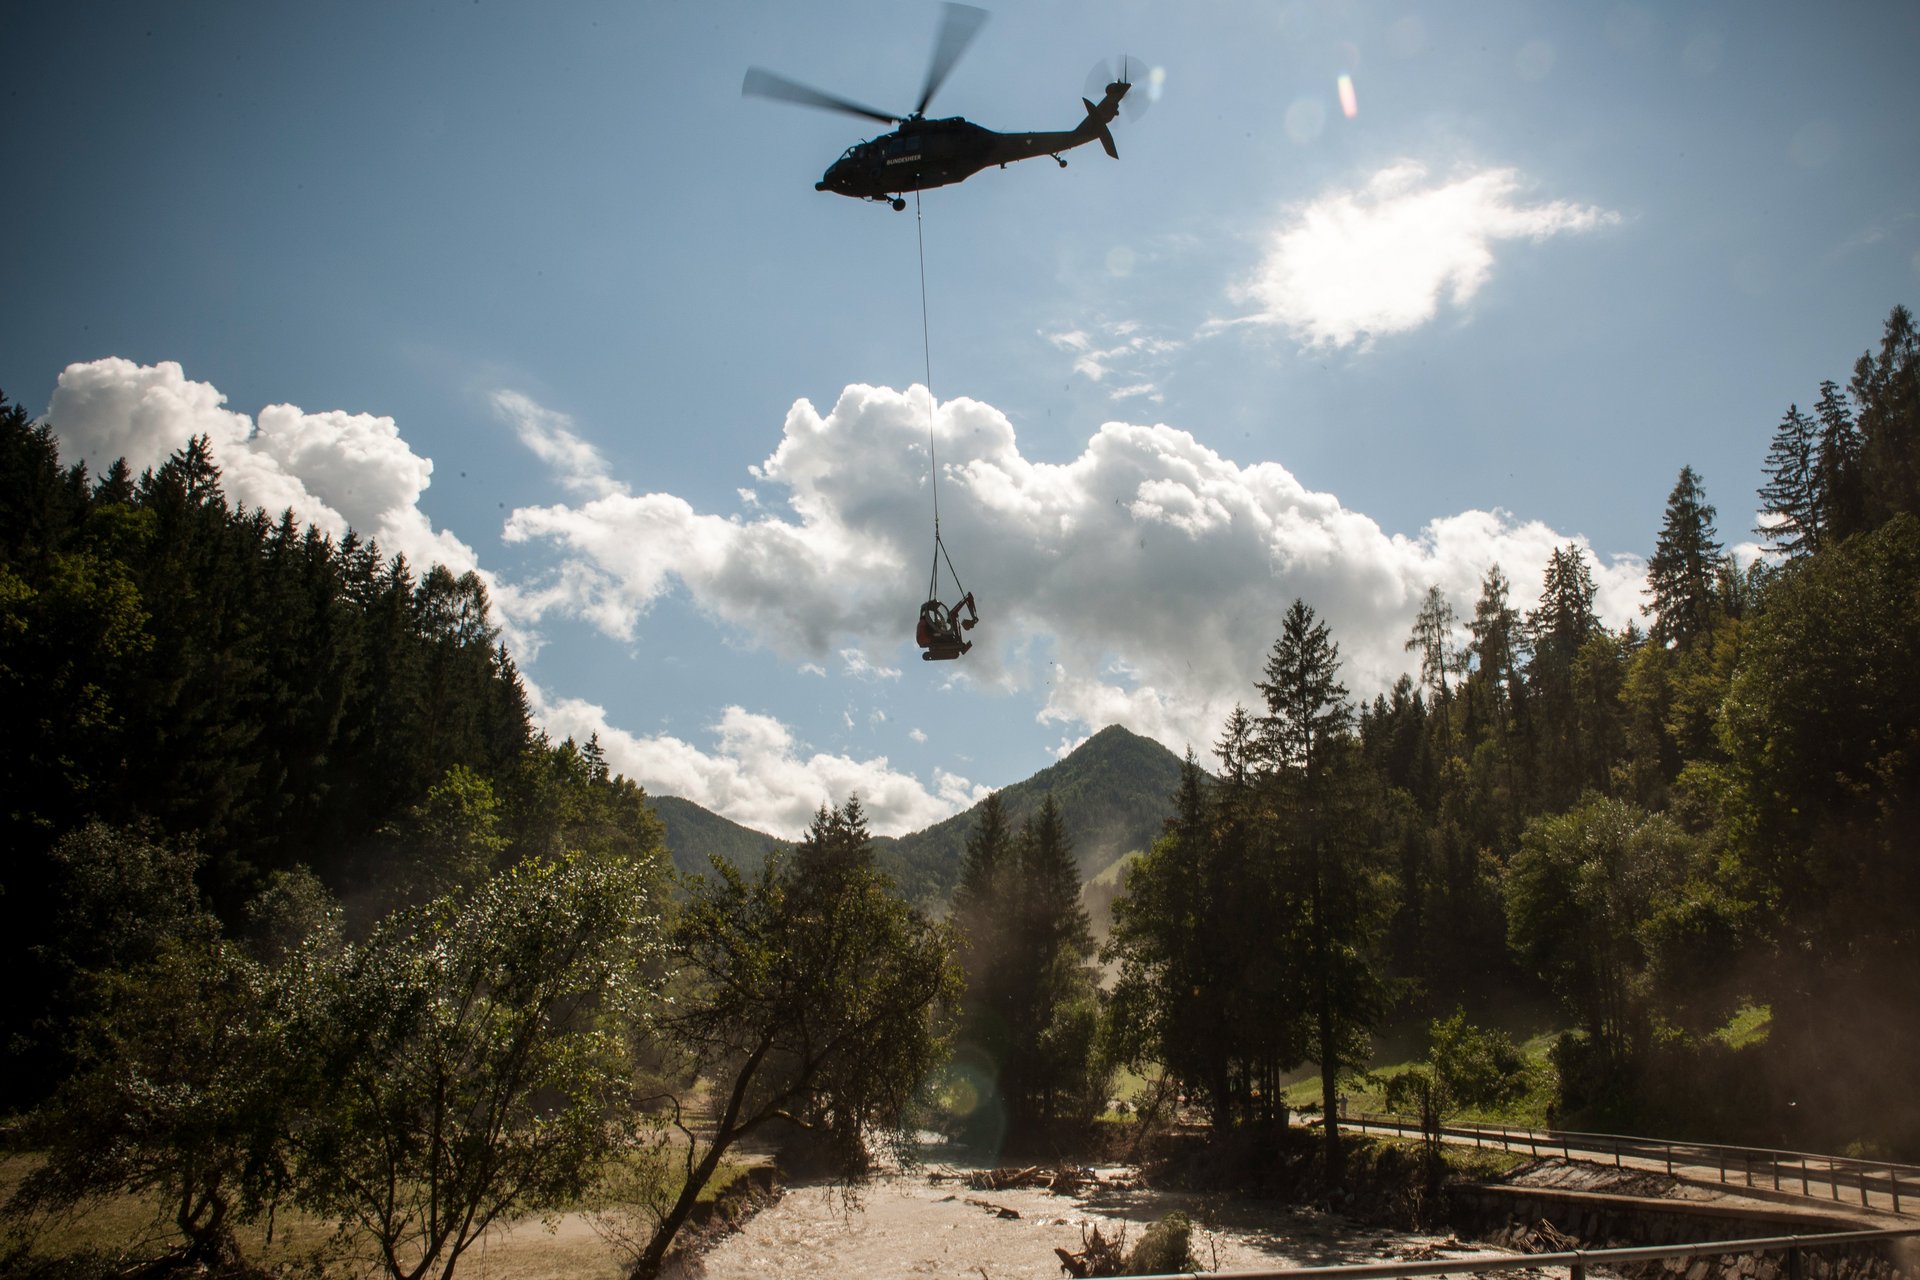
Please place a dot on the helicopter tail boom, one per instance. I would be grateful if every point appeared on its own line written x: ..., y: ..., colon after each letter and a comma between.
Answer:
x: 1098, y: 128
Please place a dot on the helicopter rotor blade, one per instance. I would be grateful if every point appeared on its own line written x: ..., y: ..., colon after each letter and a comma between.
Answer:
x: 761, y: 83
x: 957, y: 30
x: 1146, y: 82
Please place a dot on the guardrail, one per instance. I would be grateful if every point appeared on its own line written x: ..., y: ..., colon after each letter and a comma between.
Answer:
x: 1576, y: 1261
x: 1781, y: 1168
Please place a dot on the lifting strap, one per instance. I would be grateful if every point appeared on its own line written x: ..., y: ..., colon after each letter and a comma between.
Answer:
x: 926, y: 351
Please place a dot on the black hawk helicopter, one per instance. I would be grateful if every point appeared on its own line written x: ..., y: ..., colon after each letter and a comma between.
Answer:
x: 924, y: 153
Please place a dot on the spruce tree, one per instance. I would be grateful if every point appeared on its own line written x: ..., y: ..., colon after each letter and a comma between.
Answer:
x: 982, y: 909
x: 1053, y: 1004
x: 1432, y: 638
x: 1887, y: 389
x: 1791, y: 496
x: 1310, y: 764
x: 1683, y: 575
x: 1839, y: 486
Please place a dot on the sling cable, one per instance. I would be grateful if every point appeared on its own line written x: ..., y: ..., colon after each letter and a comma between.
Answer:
x: 938, y: 633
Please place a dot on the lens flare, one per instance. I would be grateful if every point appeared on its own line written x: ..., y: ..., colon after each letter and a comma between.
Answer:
x: 1349, y: 101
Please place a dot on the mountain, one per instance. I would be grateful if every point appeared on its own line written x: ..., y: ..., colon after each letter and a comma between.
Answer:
x: 693, y: 833
x: 1114, y: 791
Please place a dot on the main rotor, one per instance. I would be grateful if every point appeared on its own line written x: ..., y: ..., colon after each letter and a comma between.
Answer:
x: 959, y: 24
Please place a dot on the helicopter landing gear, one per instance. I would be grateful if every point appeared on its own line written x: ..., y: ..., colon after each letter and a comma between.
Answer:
x: 1059, y: 160
x: 899, y: 205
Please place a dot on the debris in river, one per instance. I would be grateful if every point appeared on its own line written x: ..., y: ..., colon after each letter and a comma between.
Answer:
x: 1098, y: 1255
x: 998, y: 1210
x: 1060, y: 1179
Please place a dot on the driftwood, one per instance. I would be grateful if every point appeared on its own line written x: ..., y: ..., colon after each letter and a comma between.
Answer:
x: 1098, y: 1255
x: 997, y: 1210
x: 1060, y: 1179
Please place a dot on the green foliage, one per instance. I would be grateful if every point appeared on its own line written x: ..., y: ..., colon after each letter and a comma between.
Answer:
x: 1822, y: 730
x: 693, y: 835
x: 1464, y: 1067
x: 474, y: 1063
x: 1683, y: 573
x: 1579, y: 896
x: 1165, y: 1247
x: 179, y: 1091
x: 1247, y: 937
x: 811, y: 996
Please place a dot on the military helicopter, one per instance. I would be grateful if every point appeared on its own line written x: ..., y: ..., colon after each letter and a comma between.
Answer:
x: 922, y: 153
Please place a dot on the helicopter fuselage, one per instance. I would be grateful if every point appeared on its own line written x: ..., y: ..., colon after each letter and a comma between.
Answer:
x: 922, y: 154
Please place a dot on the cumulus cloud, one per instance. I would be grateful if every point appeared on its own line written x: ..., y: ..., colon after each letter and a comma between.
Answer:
x: 757, y: 772
x: 335, y: 469
x: 1140, y: 583
x: 1350, y: 265
x: 338, y: 470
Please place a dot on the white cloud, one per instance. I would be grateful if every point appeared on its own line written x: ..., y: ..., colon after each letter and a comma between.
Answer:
x: 335, y: 469
x: 854, y: 663
x: 1150, y: 570
x: 1122, y: 348
x: 1140, y: 582
x: 1352, y: 264
x: 579, y: 466
x: 757, y: 772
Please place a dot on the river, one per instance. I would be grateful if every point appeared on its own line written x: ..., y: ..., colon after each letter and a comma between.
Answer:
x: 929, y: 1223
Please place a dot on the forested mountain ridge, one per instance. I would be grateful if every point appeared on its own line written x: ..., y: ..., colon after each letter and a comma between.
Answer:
x: 1114, y: 792
x: 694, y: 834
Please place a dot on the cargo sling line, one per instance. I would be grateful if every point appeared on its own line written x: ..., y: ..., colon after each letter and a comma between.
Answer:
x: 926, y: 351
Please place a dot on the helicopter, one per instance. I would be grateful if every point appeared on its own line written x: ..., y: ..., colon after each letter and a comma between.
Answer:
x: 922, y: 153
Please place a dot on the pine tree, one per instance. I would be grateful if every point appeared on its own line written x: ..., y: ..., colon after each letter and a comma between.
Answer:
x: 1311, y: 763
x: 1558, y: 631
x: 1791, y: 496
x: 1887, y: 389
x: 1839, y: 485
x: 982, y: 904
x: 1683, y: 575
x: 1432, y: 638
x: 1053, y: 1003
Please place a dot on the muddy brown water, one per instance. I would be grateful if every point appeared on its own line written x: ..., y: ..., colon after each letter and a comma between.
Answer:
x: 929, y: 1223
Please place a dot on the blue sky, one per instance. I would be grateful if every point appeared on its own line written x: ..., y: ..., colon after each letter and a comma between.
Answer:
x: 534, y: 290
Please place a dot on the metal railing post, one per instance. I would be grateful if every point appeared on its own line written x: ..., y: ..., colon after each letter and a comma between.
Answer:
x: 1669, y: 1159
x: 1775, y: 1162
x: 1803, y: 1177
x: 1833, y: 1176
